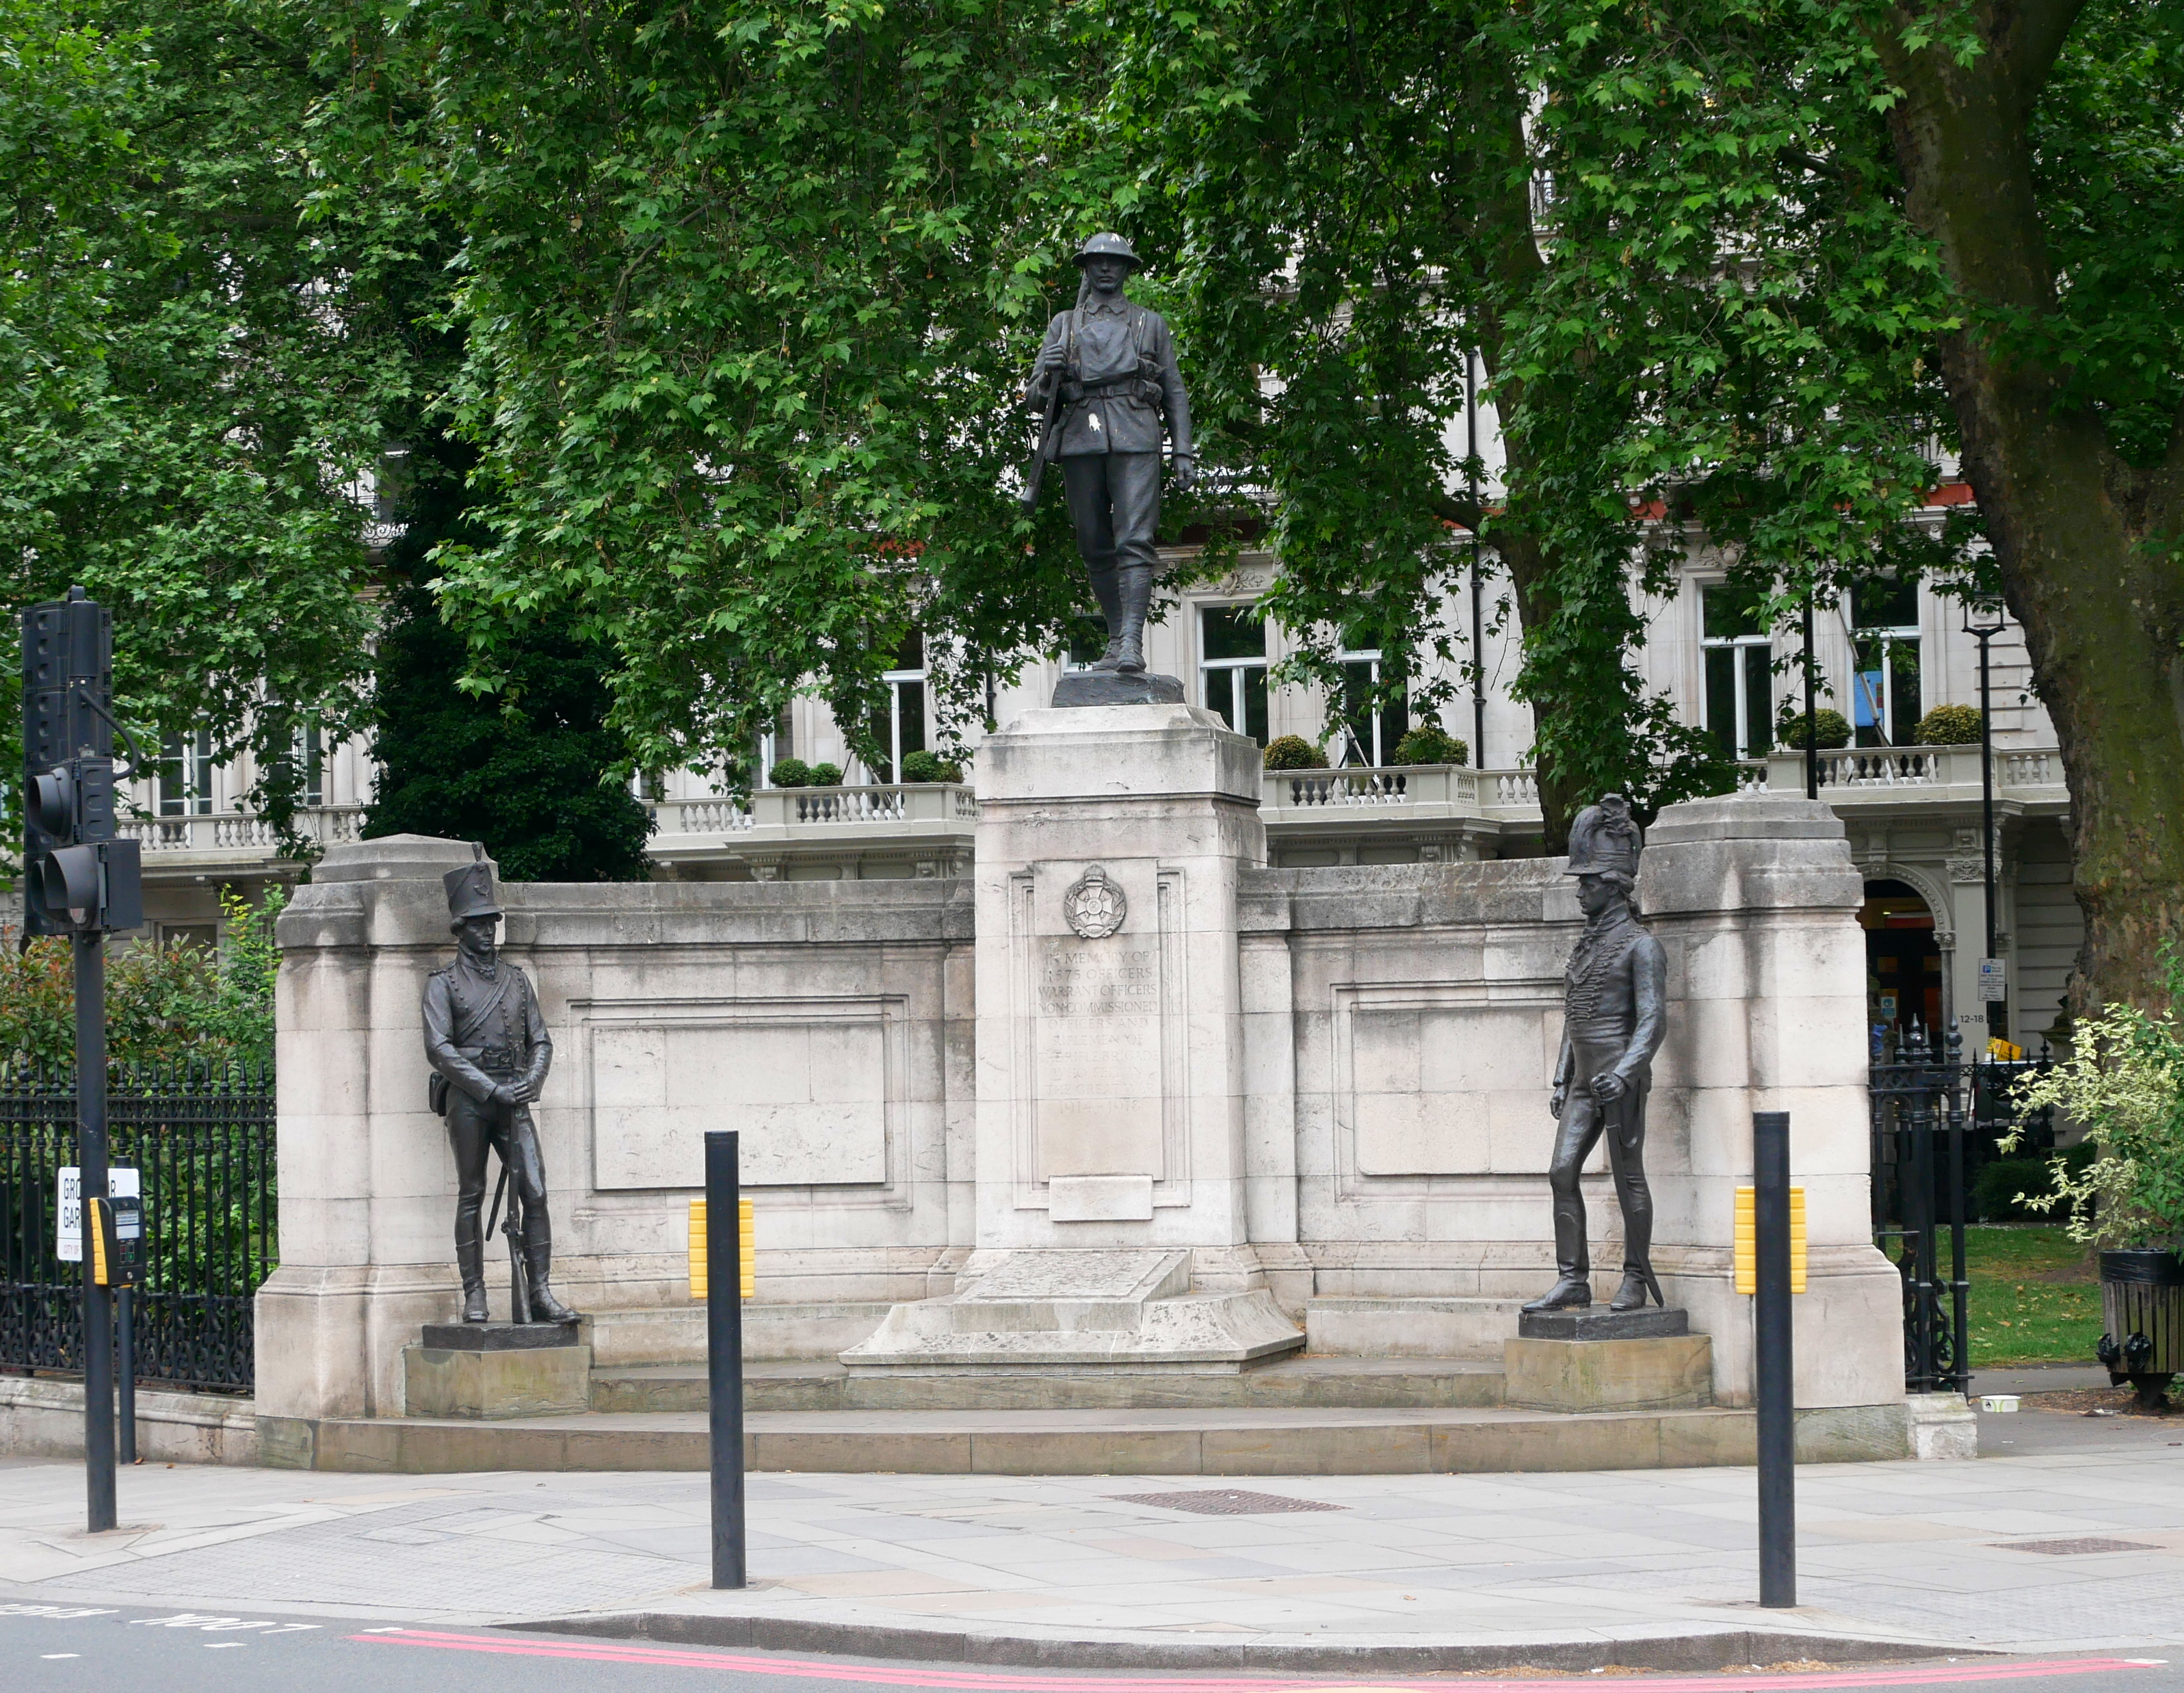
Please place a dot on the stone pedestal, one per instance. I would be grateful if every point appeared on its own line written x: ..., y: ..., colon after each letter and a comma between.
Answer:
x: 1110, y: 1170
x: 1597, y: 1360
x: 498, y: 1369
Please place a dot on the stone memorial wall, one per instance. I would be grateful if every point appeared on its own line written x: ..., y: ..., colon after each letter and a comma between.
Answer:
x: 1124, y: 1062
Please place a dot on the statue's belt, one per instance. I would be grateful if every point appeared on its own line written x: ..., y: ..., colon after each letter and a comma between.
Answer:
x: 1130, y: 387
x: 501, y: 1058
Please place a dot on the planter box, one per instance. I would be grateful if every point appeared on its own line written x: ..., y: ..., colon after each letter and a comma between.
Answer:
x: 2143, y: 1308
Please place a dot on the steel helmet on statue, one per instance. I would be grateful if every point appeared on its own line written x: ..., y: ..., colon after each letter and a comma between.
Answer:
x: 1109, y: 245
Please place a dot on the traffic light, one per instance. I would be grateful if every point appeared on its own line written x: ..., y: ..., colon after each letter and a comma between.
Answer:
x: 78, y: 876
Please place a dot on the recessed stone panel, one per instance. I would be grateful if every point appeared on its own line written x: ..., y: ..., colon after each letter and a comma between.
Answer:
x: 812, y: 1087
x: 1430, y: 1078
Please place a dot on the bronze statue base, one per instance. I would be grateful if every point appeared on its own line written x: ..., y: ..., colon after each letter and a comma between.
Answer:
x: 1116, y: 688
x: 1596, y: 1323
x: 499, y: 1337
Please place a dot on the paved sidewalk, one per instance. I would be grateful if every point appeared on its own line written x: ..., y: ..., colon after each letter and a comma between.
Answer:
x: 1926, y: 1554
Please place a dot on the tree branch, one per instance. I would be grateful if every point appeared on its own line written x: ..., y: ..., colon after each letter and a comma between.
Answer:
x: 2034, y: 34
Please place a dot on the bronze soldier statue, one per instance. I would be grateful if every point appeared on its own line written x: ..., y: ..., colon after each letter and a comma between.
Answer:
x: 489, y: 1052
x: 1614, y: 992
x: 1102, y: 382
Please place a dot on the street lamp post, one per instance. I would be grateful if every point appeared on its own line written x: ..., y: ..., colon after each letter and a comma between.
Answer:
x: 1983, y: 621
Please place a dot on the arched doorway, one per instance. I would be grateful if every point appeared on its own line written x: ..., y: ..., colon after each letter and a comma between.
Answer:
x: 1902, y: 963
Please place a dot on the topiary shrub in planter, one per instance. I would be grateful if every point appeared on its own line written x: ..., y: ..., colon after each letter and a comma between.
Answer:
x: 825, y: 776
x: 924, y: 766
x: 1294, y: 751
x: 790, y: 772
x: 2123, y: 1082
x: 1429, y: 743
x: 1834, y: 731
x: 1949, y: 726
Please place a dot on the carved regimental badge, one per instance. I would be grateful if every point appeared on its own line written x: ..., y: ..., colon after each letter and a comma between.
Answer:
x: 1094, y: 906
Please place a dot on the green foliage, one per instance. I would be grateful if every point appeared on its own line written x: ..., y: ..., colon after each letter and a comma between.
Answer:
x: 1834, y: 730
x: 530, y: 773
x: 825, y: 774
x: 749, y: 293
x: 184, y: 403
x: 927, y: 766
x: 2124, y: 1083
x: 790, y: 772
x: 2009, y: 1189
x: 164, y: 1004
x: 1294, y: 751
x: 1949, y: 726
x: 1429, y: 743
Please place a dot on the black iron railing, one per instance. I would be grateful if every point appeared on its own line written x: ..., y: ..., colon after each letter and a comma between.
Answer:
x: 201, y: 1138
x: 1937, y: 1121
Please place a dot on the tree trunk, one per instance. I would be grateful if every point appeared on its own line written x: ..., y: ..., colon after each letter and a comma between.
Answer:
x: 2068, y: 520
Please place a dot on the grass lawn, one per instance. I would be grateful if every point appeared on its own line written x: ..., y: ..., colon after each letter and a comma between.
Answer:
x: 2035, y: 1297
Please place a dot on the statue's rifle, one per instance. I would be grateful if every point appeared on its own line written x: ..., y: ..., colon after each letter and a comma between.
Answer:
x: 519, y: 1279
x: 1050, y: 427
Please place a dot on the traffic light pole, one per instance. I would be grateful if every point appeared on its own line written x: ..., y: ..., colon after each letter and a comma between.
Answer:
x: 90, y: 1156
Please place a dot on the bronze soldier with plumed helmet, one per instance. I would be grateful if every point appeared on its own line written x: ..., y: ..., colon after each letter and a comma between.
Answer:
x: 1614, y: 995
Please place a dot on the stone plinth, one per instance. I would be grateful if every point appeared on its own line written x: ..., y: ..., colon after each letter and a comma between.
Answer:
x: 1044, y: 1310
x: 499, y: 1337
x: 1663, y: 1372
x: 1596, y: 1323
x: 1116, y: 687
x: 498, y: 1376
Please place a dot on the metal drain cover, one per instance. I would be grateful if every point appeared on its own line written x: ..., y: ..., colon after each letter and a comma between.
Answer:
x: 2064, y: 1549
x: 1224, y: 1502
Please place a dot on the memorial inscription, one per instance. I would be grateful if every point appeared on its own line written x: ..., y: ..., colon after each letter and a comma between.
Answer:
x: 1097, y: 1053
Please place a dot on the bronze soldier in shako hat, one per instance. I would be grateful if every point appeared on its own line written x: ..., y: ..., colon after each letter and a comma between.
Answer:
x: 489, y: 1052
x: 1614, y: 992
x: 1103, y: 381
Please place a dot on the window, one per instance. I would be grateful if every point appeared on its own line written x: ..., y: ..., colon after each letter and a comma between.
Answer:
x: 899, y: 726
x: 1739, y: 669
x: 776, y: 744
x: 1369, y: 736
x: 310, y: 754
x: 1232, y: 667
x: 1884, y: 692
x: 186, y: 775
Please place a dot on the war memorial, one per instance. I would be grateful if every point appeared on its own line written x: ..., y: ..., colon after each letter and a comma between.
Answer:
x: 1132, y: 1122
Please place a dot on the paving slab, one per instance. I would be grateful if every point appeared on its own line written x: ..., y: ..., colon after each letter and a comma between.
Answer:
x: 1411, y: 1572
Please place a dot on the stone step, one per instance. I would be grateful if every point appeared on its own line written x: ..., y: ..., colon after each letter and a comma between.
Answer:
x: 676, y: 1334
x: 1357, y: 1384
x: 1366, y: 1326
x: 1177, y: 1442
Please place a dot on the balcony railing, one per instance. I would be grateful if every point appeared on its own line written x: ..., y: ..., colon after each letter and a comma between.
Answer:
x: 231, y: 831
x: 915, y: 804
x: 1850, y: 773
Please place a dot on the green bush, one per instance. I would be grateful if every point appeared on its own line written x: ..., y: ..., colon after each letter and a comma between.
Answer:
x: 2015, y: 1189
x: 1834, y: 730
x: 790, y: 772
x: 924, y: 766
x: 825, y: 776
x: 1949, y: 726
x: 1429, y: 743
x: 164, y: 1004
x: 1294, y: 751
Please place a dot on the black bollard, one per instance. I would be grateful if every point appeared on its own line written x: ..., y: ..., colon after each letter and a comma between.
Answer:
x: 1771, y: 1340
x: 724, y: 1352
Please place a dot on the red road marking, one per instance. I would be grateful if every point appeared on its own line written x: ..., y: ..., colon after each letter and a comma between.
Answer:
x: 687, y: 1657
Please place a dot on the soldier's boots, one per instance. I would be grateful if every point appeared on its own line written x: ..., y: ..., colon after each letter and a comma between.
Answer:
x: 1136, y: 594
x: 1571, y: 1293
x: 1631, y: 1295
x: 1130, y: 655
x: 546, y: 1305
x: 1112, y: 657
x: 470, y: 1260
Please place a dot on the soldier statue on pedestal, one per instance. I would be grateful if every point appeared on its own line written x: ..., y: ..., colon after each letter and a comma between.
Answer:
x: 489, y: 1052
x: 1102, y: 384
x: 1614, y: 992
